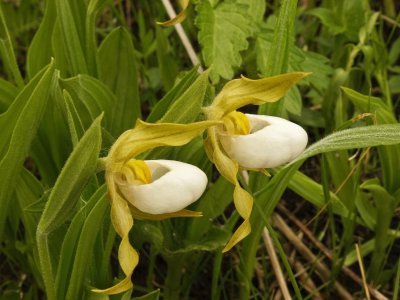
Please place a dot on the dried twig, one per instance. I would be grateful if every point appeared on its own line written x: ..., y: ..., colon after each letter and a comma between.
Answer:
x: 322, y: 270
x: 182, y: 35
x: 275, y: 264
x: 364, y: 279
x: 347, y: 271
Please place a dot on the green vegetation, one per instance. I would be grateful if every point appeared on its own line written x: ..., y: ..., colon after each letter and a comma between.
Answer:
x: 75, y: 75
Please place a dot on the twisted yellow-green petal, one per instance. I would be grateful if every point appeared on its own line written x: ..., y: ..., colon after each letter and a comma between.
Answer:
x: 122, y: 221
x: 179, y: 17
x: 122, y: 167
x: 145, y: 136
x: 242, y: 199
x: 234, y: 95
x: 241, y: 92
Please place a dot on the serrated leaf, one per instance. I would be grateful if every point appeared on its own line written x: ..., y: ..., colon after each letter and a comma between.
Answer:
x: 223, y: 33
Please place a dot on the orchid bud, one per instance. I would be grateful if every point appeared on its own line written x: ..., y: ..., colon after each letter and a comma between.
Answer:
x: 272, y: 142
x: 172, y: 186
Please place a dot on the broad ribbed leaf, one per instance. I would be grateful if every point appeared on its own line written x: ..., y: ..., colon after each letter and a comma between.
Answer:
x: 70, y: 28
x: 188, y: 106
x: 360, y: 137
x: 40, y: 50
x: 27, y: 111
x: 118, y: 70
x: 8, y: 92
x: 223, y: 34
x: 162, y: 106
x: 90, y: 97
x: 85, y: 248
x: 78, y: 169
x: 9, y: 60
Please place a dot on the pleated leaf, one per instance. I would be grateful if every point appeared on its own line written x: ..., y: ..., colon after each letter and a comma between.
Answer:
x: 359, y: 137
x: 118, y: 70
x: 21, y: 123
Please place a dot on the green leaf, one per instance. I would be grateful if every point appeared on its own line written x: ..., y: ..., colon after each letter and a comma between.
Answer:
x: 7, y: 53
x: 40, y: 49
x: 360, y: 137
x: 389, y: 155
x: 293, y: 103
x: 90, y: 49
x: 79, y: 167
x: 215, y: 238
x: 154, y: 295
x: 212, y: 204
x: 256, y: 9
x: 328, y: 19
x: 77, y: 171
x: 118, y: 70
x: 370, y: 104
x: 69, y: 37
x: 28, y: 193
x: 188, y: 106
x: 75, y: 124
x: 166, y: 61
x: 91, y: 97
x: 27, y: 111
x: 8, y: 92
x: 385, y: 208
x: 85, y: 244
x: 162, y: 106
x: 146, y: 231
x: 278, y: 54
x: 223, y: 33
x: 313, y: 192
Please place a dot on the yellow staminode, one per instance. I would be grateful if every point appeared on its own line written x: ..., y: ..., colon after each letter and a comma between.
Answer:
x: 137, y: 170
x: 236, y: 123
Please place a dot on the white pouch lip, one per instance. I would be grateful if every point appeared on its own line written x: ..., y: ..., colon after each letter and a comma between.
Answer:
x: 174, y: 186
x: 272, y: 142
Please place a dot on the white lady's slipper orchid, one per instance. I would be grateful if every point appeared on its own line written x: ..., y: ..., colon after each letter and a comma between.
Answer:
x: 173, y: 186
x: 252, y: 142
x: 153, y: 189
x: 272, y: 142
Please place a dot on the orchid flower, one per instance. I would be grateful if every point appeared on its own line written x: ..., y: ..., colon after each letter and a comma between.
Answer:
x: 250, y: 141
x: 149, y: 189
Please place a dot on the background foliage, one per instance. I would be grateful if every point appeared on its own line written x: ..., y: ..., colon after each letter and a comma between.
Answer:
x: 76, y: 74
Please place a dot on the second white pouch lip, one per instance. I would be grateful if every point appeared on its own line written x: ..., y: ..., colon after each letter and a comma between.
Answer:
x: 272, y: 142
